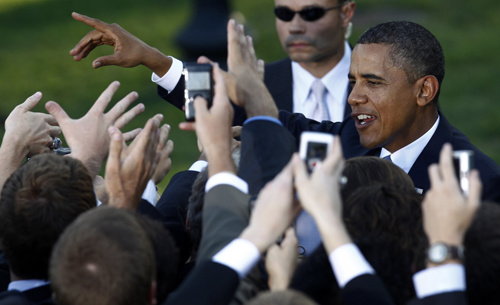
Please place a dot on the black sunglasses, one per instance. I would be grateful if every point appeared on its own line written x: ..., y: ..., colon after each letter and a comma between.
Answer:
x: 312, y: 13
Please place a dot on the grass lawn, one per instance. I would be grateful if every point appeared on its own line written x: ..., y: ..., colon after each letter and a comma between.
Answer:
x: 38, y: 34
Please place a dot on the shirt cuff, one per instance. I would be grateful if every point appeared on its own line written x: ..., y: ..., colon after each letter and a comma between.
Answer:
x: 171, y: 78
x: 348, y: 263
x: 198, y: 166
x: 150, y: 194
x: 239, y: 255
x: 441, y: 279
x: 226, y: 178
x: 264, y: 118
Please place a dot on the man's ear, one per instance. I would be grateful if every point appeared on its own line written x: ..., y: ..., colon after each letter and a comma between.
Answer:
x: 428, y: 87
x: 347, y: 12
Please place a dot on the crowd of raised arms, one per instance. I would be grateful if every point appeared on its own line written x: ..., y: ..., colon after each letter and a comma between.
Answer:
x: 382, y: 219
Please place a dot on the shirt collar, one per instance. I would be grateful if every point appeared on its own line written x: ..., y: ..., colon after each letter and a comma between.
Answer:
x: 23, y: 285
x: 406, y: 156
x: 335, y: 80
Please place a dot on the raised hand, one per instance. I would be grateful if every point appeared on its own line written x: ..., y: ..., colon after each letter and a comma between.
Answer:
x: 447, y: 213
x: 213, y: 127
x: 129, y: 169
x: 129, y: 51
x: 245, y: 85
x: 88, y: 136
x: 26, y: 134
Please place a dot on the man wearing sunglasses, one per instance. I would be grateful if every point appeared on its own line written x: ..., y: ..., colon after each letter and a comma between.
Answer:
x: 313, y: 79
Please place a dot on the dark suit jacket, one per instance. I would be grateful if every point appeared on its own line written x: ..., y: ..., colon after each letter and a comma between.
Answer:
x: 266, y: 147
x: 445, y: 133
x: 208, y: 283
x: 278, y: 79
x: 39, y: 295
x: 173, y: 204
x: 226, y: 212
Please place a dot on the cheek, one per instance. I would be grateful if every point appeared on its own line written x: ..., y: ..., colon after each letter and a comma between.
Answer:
x: 281, y: 31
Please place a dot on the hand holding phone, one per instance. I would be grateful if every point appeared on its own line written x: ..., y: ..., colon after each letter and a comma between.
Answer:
x: 314, y: 148
x: 198, y: 82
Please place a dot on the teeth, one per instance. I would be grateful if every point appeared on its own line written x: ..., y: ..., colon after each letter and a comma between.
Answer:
x: 363, y: 123
x: 364, y: 116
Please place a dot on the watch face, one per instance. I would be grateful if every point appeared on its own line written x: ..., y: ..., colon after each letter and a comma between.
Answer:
x: 438, y: 252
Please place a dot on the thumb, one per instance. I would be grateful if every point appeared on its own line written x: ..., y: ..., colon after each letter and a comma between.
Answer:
x: 56, y: 111
x: 32, y: 101
x: 105, y: 61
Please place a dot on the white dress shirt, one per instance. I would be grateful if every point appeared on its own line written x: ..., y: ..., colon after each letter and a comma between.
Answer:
x: 406, y: 156
x: 335, y: 81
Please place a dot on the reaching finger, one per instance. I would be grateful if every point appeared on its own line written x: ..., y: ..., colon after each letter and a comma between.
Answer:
x: 31, y: 101
x: 108, y: 60
x: 83, y: 48
x: 234, y: 47
x: 299, y: 171
x: 261, y: 68
x: 130, y: 135
x: 251, y: 50
x: 54, y: 131
x: 187, y: 126
x: 204, y: 60
x: 115, y: 150
x: 128, y: 116
x: 334, y: 163
x: 95, y: 23
x: 121, y: 106
x: 164, y: 131
x: 446, y: 163
x: 434, y: 176
x: 57, y: 112
x: 105, y: 97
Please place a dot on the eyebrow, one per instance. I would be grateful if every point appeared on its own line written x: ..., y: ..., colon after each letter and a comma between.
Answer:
x: 368, y: 75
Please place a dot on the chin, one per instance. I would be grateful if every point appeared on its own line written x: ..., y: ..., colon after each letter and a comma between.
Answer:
x: 369, y: 144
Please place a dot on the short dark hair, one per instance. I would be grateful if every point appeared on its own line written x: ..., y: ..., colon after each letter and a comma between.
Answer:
x: 383, y: 216
x: 368, y: 170
x: 166, y: 256
x: 413, y: 48
x: 38, y: 202
x: 482, y: 261
x: 103, y: 257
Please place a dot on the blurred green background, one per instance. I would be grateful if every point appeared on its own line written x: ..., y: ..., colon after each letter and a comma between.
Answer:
x: 36, y: 36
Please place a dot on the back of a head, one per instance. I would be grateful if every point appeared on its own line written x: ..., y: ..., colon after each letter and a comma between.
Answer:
x: 386, y: 224
x: 104, y: 257
x: 282, y: 297
x: 37, y: 203
x: 414, y: 48
x: 482, y: 258
x: 166, y: 254
x: 365, y: 171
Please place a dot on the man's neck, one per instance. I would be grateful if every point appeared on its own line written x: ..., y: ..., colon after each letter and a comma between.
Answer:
x: 320, y: 68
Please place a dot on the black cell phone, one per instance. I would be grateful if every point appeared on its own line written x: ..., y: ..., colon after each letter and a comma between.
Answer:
x: 314, y: 148
x: 463, y: 161
x: 198, y: 82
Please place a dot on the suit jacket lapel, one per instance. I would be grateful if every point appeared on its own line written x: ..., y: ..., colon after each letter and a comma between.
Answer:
x: 430, y: 154
x: 279, y: 82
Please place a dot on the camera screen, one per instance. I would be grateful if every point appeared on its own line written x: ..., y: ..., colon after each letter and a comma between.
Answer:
x: 316, y: 152
x: 198, y: 81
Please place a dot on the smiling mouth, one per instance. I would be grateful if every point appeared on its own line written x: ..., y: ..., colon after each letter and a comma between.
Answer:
x: 365, y: 118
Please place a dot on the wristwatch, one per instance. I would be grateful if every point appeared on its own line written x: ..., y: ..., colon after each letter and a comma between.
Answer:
x: 440, y: 252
